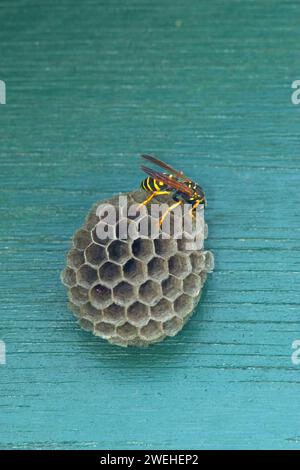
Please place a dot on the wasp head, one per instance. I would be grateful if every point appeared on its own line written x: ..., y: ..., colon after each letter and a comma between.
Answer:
x: 199, y: 194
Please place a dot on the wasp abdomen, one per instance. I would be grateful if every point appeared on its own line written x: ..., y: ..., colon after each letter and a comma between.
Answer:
x: 151, y: 185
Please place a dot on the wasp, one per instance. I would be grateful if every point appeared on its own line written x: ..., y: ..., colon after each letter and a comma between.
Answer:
x: 171, y: 182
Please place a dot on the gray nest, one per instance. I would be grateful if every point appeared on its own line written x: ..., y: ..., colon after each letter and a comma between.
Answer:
x: 137, y: 291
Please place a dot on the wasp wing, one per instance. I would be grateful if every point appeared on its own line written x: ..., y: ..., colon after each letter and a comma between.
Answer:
x: 164, y: 165
x: 171, y: 183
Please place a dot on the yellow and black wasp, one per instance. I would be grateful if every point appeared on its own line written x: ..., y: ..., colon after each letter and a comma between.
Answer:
x: 182, y: 188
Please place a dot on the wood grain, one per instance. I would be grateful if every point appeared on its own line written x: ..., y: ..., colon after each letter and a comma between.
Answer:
x: 205, y: 85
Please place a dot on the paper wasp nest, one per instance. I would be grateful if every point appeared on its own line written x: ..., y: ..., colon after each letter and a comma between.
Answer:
x: 136, y: 291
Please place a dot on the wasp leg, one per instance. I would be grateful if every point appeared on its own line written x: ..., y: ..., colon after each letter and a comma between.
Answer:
x: 152, y: 195
x: 192, y: 213
x: 169, y: 210
x: 192, y: 210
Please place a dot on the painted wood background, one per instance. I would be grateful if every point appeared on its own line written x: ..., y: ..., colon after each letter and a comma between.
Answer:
x: 207, y: 86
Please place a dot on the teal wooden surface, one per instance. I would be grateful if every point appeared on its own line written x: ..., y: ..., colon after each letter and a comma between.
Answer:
x: 205, y: 85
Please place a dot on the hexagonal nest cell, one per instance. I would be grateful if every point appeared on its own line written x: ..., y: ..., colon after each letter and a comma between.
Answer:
x: 135, y: 291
